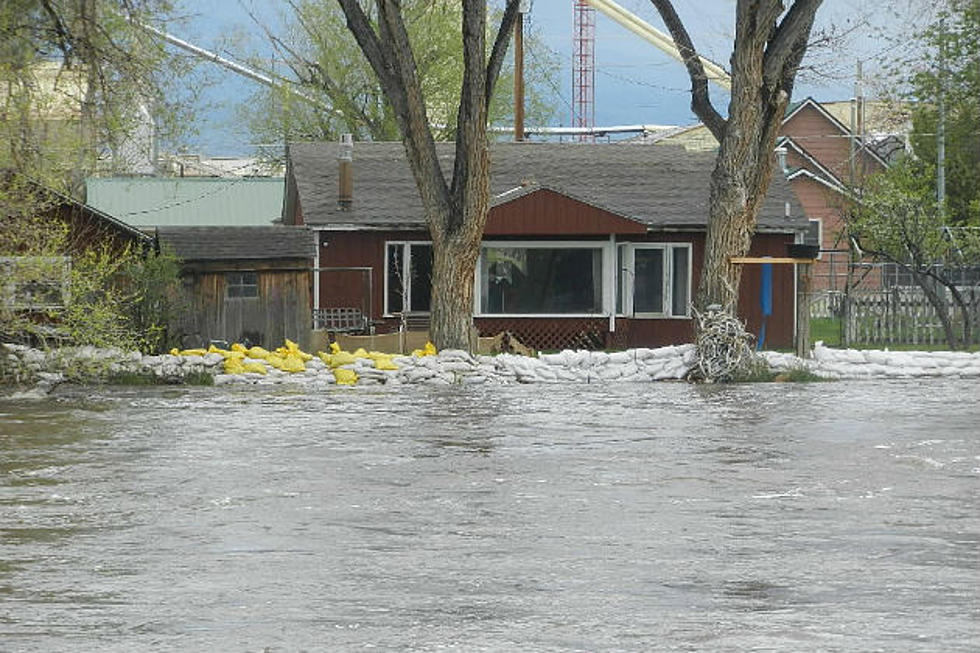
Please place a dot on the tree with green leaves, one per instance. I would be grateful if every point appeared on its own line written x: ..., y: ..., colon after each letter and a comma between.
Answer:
x: 944, y: 87
x: 898, y: 220
x: 79, y: 82
x: 456, y: 208
x: 326, y: 64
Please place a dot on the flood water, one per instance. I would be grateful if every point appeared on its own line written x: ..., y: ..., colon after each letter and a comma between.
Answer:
x: 665, y: 517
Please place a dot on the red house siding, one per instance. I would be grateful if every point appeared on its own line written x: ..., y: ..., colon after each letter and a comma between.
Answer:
x: 547, y: 213
x: 823, y: 139
x: 366, y: 249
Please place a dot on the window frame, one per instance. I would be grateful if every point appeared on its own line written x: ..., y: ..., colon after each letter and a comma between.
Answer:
x: 626, y: 280
x: 229, y: 284
x: 604, y: 252
x: 819, y: 242
x: 406, y: 262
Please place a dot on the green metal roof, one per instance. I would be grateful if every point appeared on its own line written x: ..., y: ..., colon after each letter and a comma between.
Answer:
x: 188, y: 201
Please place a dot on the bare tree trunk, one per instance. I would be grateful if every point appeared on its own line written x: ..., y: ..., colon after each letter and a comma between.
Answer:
x: 769, y: 45
x: 456, y: 212
x: 938, y: 302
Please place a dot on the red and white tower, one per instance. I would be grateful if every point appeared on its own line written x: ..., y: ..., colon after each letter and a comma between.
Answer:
x: 583, y: 68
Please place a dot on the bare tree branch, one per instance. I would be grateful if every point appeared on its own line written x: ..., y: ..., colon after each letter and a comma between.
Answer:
x: 788, y: 45
x: 500, y: 45
x: 700, y: 99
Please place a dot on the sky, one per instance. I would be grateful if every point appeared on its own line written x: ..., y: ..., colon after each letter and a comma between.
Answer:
x: 634, y: 82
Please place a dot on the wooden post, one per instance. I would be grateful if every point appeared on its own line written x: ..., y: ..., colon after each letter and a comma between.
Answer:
x: 519, y: 77
x: 803, y: 310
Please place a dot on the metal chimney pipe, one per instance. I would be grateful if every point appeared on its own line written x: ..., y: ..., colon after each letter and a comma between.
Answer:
x: 345, y: 158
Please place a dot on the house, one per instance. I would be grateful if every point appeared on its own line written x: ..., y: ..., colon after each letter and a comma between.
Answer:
x: 824, y: 159
x: 244, y: 284
x: 585, y: 245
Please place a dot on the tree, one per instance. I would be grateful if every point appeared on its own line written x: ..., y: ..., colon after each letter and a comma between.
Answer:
x: 898, y: 219
x: 77, y: 79
x: 455, y: 209
x: 946, y: 75
x: 326, y: 63
x: 75, y: 284
x: 770, y: 42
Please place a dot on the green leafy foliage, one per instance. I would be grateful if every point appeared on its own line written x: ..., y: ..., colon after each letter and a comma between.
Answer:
x: 944, y: 76
x: 328, y: 65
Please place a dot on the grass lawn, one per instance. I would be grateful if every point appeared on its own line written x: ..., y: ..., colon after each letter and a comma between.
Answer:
x: 828, y: 329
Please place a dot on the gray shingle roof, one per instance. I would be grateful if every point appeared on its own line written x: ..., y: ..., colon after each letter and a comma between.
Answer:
x: 662, y: 187
x: 238, y: 243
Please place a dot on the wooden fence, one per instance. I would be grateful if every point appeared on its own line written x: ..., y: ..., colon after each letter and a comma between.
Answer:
x: 900, y: 315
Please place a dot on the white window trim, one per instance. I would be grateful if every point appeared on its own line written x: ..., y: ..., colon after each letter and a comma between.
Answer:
x: 629, y: 277
x: 406, y: 262
x: 819, y: 222
x: 607, y: 247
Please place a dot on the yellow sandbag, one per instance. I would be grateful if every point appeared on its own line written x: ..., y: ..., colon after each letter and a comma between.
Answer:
x: 342, y: 358
x: 258, y: 352
x: 334, y: 348
x: 360, y: 353
x: 292, y: 348
x: 326, y: 358
x: 188, y: 352
x: 428, y: 350
x: 384, y: 363
x: 239, y: 347
x: 345, y: 377
x: 293, y: 363
x: 234, y: 366
x: 226, y: 353
x: 275, y: 360
x: 255, y: 367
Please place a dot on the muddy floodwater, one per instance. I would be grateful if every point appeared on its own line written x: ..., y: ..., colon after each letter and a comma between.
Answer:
x: 659, y: 517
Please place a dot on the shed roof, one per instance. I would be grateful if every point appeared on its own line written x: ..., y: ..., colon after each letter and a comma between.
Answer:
x: 185, y: 201
x: 661, y: 187
x: 238, y: 243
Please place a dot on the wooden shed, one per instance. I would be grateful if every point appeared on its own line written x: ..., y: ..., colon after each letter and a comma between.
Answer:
x: 244, y: 284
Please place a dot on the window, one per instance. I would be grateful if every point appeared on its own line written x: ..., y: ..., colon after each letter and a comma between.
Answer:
x: 814, y: 233
x: 540, y: 279
x: 34, y: 283
x: 655, y: 280
x: 242, y: 284
x: 409, y: 292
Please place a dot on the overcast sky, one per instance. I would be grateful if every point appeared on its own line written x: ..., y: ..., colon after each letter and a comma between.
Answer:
x: 635, y: 83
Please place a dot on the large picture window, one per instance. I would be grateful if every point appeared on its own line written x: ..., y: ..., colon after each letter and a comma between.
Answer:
x: 540, y: 279
x: 654, y: 280
x: 408, y: 277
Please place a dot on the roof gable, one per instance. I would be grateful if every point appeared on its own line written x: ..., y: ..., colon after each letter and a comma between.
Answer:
x: 548, y: 212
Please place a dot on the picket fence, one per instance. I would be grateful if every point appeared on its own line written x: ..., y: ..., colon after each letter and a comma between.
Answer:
x: 900, y: 315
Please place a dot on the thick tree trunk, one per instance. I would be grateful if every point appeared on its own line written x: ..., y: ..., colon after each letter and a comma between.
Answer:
x: 769, y: 45
x: 456, y: 212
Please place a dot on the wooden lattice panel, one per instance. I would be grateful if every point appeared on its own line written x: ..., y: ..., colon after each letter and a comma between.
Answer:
x: 550, y: 334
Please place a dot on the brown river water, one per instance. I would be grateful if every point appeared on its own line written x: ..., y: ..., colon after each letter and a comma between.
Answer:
x: 661, y: 517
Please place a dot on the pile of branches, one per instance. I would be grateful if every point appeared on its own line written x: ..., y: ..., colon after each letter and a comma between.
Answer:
x: 724, y: 347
